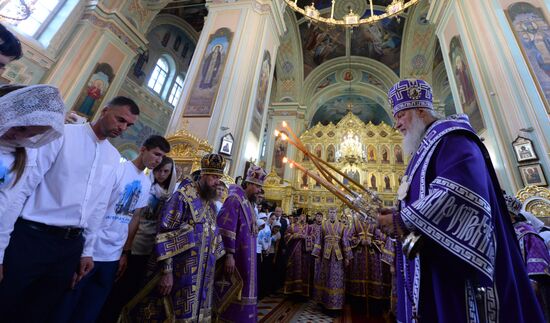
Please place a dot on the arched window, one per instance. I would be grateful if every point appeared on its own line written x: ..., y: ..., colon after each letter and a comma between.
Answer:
x: 175, y: 94
x: 159, y: 75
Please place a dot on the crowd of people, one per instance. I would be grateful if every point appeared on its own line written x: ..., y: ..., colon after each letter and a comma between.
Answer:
x: 85, y: 237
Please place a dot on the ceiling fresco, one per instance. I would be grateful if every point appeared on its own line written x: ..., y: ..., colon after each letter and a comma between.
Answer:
x: 336, y: 108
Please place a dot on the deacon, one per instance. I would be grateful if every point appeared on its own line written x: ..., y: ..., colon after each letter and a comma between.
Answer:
x: 297, y: 268
x: 187, y: 247
x: 457, y: 258
x: 333, y: 249
x: 237, y: 223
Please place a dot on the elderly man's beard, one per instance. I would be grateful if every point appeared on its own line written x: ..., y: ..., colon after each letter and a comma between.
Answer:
x: 414, y: 135
x: 206, y: 192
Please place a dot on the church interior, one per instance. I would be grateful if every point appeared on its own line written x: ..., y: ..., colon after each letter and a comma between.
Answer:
x: 241, y: 77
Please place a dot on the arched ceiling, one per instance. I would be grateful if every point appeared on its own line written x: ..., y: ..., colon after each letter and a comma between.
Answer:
x: 363, y: 107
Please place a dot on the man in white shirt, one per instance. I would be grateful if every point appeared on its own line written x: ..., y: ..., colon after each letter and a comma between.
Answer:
x: 84, y: 302
x: 68, y: 192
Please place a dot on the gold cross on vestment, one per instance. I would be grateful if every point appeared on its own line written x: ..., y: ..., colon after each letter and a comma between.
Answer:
x: 226, y: 218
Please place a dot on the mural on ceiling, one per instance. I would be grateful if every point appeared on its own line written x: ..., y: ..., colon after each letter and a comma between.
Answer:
x: 94, y: 91
x: 329, y: 80
x: 261, y: 93
x: 320, y: 44
x: 532, y: 31
x: 364, y: 108
x: 465, y: 84
x: 380, y: 41
x: 205, y: 86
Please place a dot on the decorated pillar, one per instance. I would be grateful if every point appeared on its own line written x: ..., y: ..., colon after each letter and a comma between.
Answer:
x: 498, y: 72
x: 98, y: 55
x: 227, y: 87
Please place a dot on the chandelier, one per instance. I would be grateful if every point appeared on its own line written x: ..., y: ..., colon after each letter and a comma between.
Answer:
x: 351, y: 149
x: 351, y: 19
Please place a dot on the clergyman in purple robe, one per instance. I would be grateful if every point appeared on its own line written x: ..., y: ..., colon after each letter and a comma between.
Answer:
x: 457, y: 258
x: 237, y: 225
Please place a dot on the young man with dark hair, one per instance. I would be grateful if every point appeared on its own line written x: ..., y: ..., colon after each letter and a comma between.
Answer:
x: 67, y: 194
x: 10, y: 48
x: 131, y: 192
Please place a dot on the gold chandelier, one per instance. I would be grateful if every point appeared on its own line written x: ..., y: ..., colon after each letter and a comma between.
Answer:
x: 351, y: 19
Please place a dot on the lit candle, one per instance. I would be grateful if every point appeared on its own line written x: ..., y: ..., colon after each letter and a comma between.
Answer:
x: 371, y: 8
x: 332, y: 10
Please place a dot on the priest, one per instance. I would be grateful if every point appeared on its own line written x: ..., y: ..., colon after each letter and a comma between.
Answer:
x: 238, y: 227
x: 457, y: 258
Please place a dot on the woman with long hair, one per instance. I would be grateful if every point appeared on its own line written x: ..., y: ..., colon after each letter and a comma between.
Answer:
x: 30, y: 116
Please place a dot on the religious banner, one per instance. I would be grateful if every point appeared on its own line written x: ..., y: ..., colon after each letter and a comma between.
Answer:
x: 94, y: 91
x: 205, y: 86
x: 465, y: 84
x: 261, y: 95
x: 532, y: 32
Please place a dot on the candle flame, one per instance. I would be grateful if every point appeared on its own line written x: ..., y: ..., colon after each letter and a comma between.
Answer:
x: 284, y: 136
x: 285, y: 160
x: 276, y: 133
x: 284, y: 124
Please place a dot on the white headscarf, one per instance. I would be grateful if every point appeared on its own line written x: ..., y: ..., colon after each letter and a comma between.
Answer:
x: 35, y: 105
x: 160, y: 192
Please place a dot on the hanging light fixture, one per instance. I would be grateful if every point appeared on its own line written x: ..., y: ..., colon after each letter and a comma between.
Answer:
x: 14, y: 11
x: 351, y: 19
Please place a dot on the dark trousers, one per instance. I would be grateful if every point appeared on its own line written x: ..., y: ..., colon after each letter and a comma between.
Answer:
x: 84, y: 302
x: 38, y: 268
x: 125, y: 288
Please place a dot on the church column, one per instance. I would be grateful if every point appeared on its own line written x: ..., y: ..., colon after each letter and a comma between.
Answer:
x: 229, y: 79
x: 492, y: 78
x: 99, y: 53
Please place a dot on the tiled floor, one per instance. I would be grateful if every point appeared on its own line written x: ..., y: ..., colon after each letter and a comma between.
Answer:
x: 280, y: 309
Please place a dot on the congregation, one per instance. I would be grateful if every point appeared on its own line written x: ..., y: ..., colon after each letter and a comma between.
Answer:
x: 85, y: 237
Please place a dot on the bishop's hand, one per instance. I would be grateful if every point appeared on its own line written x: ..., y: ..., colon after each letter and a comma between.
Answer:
x: 229, y: 263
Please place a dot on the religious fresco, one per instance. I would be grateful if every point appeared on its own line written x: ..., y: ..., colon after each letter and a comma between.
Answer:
x: 205, y: 86
x: 532, y: 31
x: 321, y: 43
x: 368, y: 78
x: 261, y: 94
x: 465, y: 84
x: 380, y: 41
x: 329, y: 80
x: 92, y: 94
x: 336, y: 108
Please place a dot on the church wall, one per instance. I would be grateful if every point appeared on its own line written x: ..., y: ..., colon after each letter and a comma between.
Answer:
x: 496, y: 80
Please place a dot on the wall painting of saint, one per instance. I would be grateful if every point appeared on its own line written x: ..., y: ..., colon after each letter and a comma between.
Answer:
x: 206, y: 83
x: 92, y: 94
x: 465, y: 84
x: 532, y: 32
x: 261, y: 95
x: 279, y: 152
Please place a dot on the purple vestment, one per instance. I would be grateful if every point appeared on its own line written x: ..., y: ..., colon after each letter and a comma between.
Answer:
x: 298, y: 265
x: 331, y: 248
x: 188, y: 239
x: 534, y: 251
x: 469, y: 267
x: 369, y: 276
x: 237, y: 225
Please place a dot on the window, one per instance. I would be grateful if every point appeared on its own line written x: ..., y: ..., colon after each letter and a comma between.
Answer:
x: 158, y: 77
x: 45, y: 19
x: 175, y: 94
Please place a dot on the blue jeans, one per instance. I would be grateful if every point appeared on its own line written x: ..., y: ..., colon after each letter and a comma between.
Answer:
x: 84, y: 302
